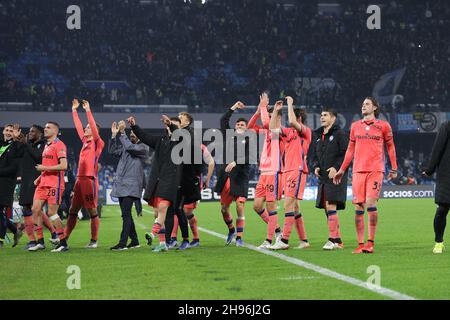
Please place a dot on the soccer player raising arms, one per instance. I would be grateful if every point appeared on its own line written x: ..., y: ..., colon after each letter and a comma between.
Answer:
x: 269, y: 187
x: 85, y: 191
x: 295, y: 140
x: 366, y: 148
x: 232, y: 178
x: 50, y: 186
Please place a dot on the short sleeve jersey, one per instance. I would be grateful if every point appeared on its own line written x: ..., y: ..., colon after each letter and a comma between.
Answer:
x: 370, y: 138
x: 292, y: 159
x: 51, y: 156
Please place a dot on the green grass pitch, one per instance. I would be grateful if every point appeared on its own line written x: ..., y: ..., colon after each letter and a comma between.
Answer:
x: 213, y: 271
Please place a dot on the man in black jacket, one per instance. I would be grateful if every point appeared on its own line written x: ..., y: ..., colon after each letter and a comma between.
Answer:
x: 233, y: 176
x: 163, y: 184
x: 10, y: 154
x: 330, y: 144
x: 178, y: 208
x: 440, y: 163
x: 190, y: 180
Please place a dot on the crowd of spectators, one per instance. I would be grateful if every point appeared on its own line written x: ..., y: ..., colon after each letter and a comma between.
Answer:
x: 209, y: 55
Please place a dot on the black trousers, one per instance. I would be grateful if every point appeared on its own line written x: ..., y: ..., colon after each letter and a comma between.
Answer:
x: 182, y: 222
x: 440, y: 221
x: 5, y: 223
x: 128, y: 227
x: 138, y: 206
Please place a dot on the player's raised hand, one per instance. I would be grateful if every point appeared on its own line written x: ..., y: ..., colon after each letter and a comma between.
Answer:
x: 278, y: 105
x: 392, y: 175
x: 338, y: 177
x: 114, y: 129
x: 289, y: 100
x: 264, y: 99
x: 166, y: 120
x: 75, y: 104
x: 131, y: 121
x: 238, y: 105
x: 122, y: 126
x: 86, y: 105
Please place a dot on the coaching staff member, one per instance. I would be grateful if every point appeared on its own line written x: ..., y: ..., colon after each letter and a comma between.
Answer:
x: 128, y: 182
x: 440, y: 163
x: 330, y: 144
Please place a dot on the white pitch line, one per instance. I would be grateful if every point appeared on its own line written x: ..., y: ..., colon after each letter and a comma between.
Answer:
x: 324, y: 271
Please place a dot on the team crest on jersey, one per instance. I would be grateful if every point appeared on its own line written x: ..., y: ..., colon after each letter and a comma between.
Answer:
x: 367, y: 128
x: 331, y: 138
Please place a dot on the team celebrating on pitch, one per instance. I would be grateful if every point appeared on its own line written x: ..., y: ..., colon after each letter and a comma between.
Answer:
x: 174, y: 190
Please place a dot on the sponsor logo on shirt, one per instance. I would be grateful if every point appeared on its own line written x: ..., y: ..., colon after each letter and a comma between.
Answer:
x: 369, y: 137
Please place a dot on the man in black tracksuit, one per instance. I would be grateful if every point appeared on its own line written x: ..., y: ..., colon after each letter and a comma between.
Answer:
x: 440, y: 163
x: 233, y: 176
x: 329, y: 146
x: 10, y: 154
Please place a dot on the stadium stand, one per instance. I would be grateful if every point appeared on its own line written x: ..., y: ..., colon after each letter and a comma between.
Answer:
x: 175, y: 52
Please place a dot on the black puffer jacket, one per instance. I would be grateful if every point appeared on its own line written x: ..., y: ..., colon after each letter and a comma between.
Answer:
x: 165, y: 177
x: 329, y: 151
